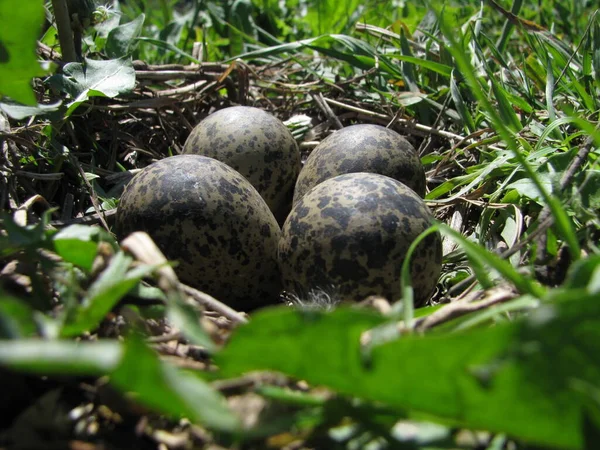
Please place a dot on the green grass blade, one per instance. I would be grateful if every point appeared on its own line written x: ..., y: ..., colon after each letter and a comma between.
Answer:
x: 524, y: 284
x: 461, y: 108
x: 566, y: 232
x: 436, y: 67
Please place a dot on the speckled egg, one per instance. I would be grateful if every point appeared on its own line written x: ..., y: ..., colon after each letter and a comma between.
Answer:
x: 257, y: 145
x: 349, y: 235
x: 209, y: 218
x: 362, y: 148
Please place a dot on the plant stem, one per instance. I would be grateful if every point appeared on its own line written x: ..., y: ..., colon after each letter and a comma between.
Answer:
x: 65, y: 34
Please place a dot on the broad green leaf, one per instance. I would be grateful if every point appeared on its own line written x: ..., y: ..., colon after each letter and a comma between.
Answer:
x: 95, y: 79
x: 589, y: 190
x: 78, y: 244
x: 104, y: 293
x: 61, y: 357
x: 168, y: 390
x: 585, y: 274
x: 527, y: 188
x: 19, y: 237
x: 121, y: 40
x: 19, y: 112
x: 469, y: 378
x: 240, y: 17
x: 21, y: 25
x: 16, y: 318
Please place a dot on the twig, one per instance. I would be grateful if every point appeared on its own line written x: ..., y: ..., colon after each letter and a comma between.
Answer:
x: 462, y: 307
x: 403, y: 122
x: 175, y: 336
x: 214, y: 304
x: 320, y: 101
x: 93, y: 219
x: 165, y: 75
x: 40, y: 176
x: 185, y: 89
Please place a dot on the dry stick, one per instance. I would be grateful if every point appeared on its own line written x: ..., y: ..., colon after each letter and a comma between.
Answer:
x: 214, y: 304
x: 462, y: 307
x: 320, y: 101
x: 40, y: 176
x: 404, y: 122
x: 174, y: 336
x: 197, y: 68
x: 183, y: 90
x: 166, y: 75
x: 92, y: 219
x: 141, y: 245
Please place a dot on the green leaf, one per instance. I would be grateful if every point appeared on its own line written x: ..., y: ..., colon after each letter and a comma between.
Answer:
x: 170, y: 391
x: 442, y: 69
x: 240, y: 16
x: 95, y: 79
x: 61, y: 357
x: 461, y: 108
x: 122, y: 40
x: 505, y: 107
x: 585, y: 273
x: 18, y: 238
x: 185, y: 318
x: 16, y: 318
x: 19, y: 32
x: 469, y: 378
x: 114, y: 282
x: 483, y: 257
x: 77, y: 244
x: 169, y: 46
x: 19, y: 112
x: 331, y: 16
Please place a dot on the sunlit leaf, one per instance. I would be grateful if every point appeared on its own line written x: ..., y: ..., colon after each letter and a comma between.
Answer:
x: 170, y: 391
x: 121, y: 40
x: 18, y: 40
x: 94, y: 78
x: 469, y: 378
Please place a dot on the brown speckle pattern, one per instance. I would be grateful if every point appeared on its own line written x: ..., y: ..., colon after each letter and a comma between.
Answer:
x: 352, y: 232
x: 210, y: 219
x: 362, y: 148
x: 256, y: 144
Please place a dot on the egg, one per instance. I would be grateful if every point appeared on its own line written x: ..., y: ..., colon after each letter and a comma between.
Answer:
x: 349, y: 236
x: 212, y: 221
